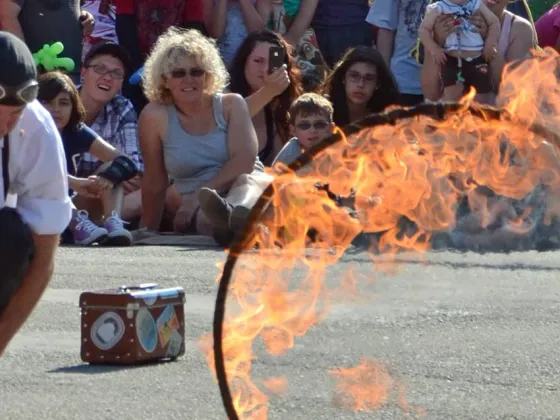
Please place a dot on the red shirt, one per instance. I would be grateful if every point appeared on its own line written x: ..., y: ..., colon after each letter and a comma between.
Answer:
x: 154, y: 17
x: 193, y: 12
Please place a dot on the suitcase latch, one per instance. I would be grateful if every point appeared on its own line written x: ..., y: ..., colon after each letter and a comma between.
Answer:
x: 130, y: 308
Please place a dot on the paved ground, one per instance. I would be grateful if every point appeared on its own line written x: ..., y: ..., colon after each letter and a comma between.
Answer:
x: 471, y: 336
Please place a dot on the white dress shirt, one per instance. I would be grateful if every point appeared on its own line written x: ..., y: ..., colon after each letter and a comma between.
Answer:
x: 38, y: 175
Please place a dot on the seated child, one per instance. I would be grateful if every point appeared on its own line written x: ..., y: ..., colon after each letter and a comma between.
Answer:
x: 311, y: 121
x: 466, y: 55
x: 60, y: 97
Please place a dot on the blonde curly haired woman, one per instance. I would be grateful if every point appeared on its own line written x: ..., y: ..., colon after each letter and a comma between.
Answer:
x: 192, y: 132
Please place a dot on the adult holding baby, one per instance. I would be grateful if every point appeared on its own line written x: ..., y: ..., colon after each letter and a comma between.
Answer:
x: 464, y: 58
x: 517, y: 38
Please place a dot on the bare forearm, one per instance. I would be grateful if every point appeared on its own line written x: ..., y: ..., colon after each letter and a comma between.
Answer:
x: 385, y: 42
x: 32, y: 288
x: 496, y: 68
x: 258, y: 100
x: 216, y: 18
x: 493, y: 33
x: 302, y: 21
x: 153, y: 204
x: 73, y: 182
x: 229, y: 173
x: 253, y: 21
x: 427, y: 39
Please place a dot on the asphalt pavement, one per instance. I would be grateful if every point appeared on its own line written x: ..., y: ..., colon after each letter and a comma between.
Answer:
x: 468, y: 336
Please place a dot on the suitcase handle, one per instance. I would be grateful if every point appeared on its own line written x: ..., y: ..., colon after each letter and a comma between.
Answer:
x: 143, y: 286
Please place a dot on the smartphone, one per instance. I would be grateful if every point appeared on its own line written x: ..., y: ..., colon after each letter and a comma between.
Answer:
x: 275, y: 58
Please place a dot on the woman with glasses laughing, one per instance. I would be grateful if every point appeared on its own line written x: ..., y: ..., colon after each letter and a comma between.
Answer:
x: 192, y: 132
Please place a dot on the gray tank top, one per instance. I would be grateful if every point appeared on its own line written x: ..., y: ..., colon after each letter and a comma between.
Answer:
x: 193, y: 160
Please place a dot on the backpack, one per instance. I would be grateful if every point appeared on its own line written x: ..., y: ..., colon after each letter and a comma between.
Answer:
x: 418, y: 51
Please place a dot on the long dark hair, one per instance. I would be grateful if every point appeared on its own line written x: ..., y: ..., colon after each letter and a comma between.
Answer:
x: 51, y: 84
x: 281, y: 104
x: 386, y: 93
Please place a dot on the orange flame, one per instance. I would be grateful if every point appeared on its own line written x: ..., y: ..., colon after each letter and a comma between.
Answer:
x: 407, y: 180
x: 363, y: 388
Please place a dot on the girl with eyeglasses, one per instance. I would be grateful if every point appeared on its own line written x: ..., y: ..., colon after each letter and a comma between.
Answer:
x: 360, y: 84
x: 60, y: 97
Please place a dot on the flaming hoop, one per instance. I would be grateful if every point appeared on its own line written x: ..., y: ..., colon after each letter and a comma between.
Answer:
x: 429, y: 114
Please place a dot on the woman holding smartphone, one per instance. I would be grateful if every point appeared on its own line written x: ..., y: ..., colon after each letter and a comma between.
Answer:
x: 264, y: 73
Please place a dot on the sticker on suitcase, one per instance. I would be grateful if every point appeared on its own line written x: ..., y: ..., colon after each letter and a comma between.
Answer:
x: 175, y: 345
x: 146, y: 330
x: 167, y: 323
x: 107, y: 331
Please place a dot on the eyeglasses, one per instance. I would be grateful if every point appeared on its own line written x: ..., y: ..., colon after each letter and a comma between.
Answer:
x: 102, y: 70
x: 356, y: 77
x: 317, y: 125
x: 182, y: 73
x: 22, y: 95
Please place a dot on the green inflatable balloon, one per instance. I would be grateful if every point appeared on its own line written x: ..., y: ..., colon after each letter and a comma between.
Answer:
x: 47, y: 57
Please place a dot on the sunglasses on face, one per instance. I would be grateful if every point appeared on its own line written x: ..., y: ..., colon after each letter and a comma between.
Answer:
x: 21, y: 95
x: 182, y: 73
x: 102, y: 70
x: 317, y: 125
x: 356, y: 77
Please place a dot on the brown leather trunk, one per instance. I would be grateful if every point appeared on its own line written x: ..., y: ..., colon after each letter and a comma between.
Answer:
x: 132, y: 324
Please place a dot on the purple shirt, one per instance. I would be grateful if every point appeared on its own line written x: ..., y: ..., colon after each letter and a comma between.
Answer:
x: 548, y: 28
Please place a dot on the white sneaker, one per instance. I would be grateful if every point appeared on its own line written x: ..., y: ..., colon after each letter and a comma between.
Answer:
x: 86, y: 232
x: 117, y: 234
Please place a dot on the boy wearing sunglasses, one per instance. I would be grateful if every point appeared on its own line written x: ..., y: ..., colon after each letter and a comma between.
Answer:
x: 311, y: 121
x: 33, y: 169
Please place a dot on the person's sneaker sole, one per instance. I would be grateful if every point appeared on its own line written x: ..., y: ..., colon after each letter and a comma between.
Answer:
x: 119, y: 239
x: 215, y: 208
x: 96, y: 240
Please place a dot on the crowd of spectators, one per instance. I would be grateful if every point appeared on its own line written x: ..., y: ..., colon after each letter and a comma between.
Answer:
x: 212, y: 108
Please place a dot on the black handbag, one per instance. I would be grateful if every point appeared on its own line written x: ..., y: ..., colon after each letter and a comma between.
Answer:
x: 16, y: 242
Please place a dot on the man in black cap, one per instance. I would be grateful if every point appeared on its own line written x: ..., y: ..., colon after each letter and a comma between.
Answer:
x: 34, y: 203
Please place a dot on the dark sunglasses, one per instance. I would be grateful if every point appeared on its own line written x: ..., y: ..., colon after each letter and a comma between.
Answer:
x: 182, y: 73
x: 102, y: 70
x: 317, y: 125
x: 21, y: 95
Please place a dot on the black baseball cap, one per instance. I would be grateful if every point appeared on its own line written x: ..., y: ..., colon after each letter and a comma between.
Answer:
x: 112, y: 49
x: 17, y: 71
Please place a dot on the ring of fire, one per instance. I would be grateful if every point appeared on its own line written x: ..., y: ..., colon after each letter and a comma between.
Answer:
x: 440, y: 115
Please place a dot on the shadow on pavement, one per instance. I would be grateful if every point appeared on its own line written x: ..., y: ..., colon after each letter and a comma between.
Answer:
x: 95, y: 369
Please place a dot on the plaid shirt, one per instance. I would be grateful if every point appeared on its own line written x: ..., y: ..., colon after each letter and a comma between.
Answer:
x: 117, y: 124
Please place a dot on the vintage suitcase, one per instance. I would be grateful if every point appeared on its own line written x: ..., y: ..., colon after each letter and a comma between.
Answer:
x: 132, y: 324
